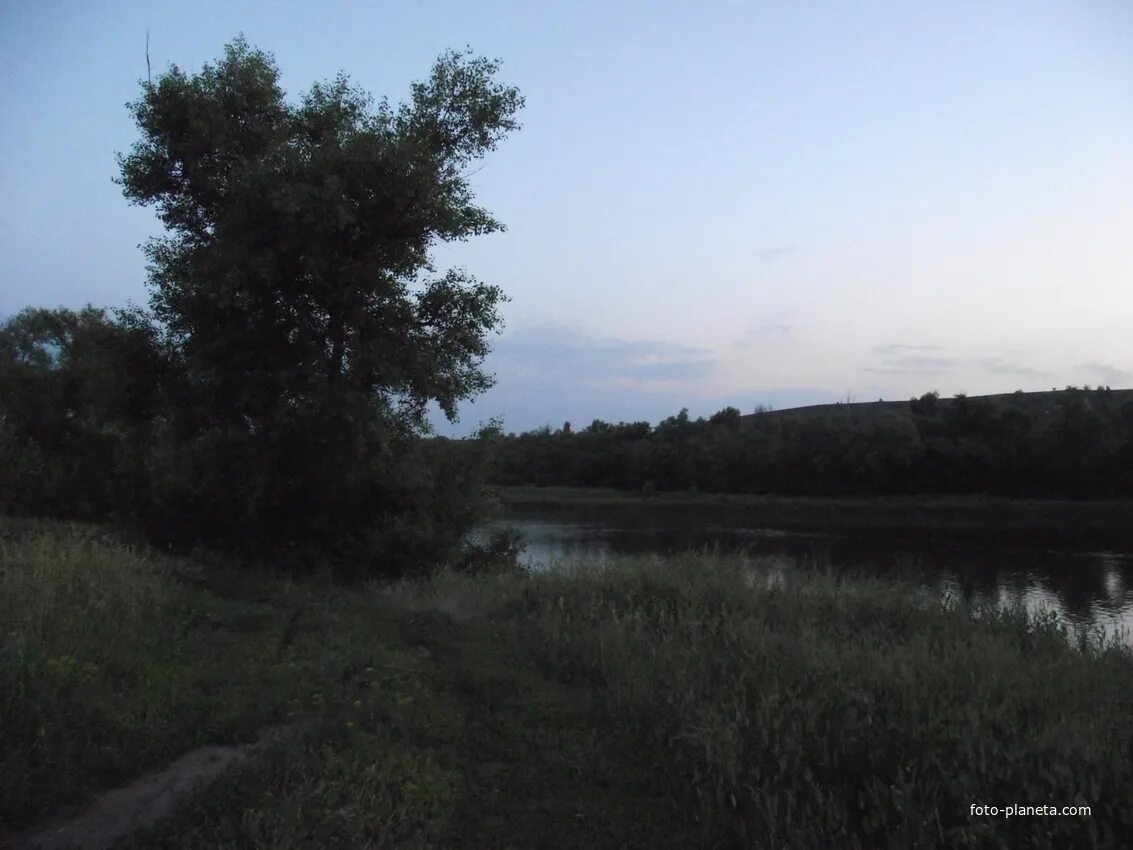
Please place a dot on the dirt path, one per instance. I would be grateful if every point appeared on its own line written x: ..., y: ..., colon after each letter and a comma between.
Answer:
x: 119, y: 814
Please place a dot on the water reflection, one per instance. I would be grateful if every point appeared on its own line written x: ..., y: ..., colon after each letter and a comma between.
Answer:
x: 1089, y: 592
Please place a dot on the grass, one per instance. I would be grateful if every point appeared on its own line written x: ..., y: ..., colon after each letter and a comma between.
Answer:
x: 693, y: 703
x: 114, y: 659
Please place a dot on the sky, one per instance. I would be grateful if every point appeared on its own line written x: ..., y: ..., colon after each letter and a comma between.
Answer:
x: 708, y: 204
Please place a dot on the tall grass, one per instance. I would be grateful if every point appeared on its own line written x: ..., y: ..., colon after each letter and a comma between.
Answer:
x: 766, y: 705
x: 113, y: 661
x: 71, y: 608
x: 812, y: 712
x: 116, y: 660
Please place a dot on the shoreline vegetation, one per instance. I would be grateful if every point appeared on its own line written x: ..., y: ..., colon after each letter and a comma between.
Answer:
x: 1075, y: 443
x: 694, y: 704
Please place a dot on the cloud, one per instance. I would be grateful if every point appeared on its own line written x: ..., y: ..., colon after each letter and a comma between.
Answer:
x: 554, y: 353
x: 772, y: 330
x: 909, y: 369
x: 1001, y: 366
x: 899, y: 348
x: 553, y: 374
x: 1108, y: 374
x: 902, y: 359
x: 673, y: 370
x: 769, y: 255
x: 770, y: 327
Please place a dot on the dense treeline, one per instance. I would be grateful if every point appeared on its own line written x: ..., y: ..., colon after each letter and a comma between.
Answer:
x: 1080, y: 446
x: 272, y: 398
x: 96, y: 424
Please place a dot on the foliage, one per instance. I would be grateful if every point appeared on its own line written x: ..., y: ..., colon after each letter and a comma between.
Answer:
x: 500, y: 552
x: 290, y: 287
x: 273, y: 398
x: 78, y: 390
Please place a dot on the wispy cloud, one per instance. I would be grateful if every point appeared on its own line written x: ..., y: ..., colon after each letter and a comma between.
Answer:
x: 898, y: 348
x: 552, y: 373
x: 773, y: 330
x: 673, y: 370
x: 1108, y: 374
x: 774, y: 326
x: 905, y: 359
x: 778, y: 252
x: 1002, y: 366
x: 556, y: 353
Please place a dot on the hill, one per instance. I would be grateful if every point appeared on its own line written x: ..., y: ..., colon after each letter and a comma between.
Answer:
x: 1036, y: 404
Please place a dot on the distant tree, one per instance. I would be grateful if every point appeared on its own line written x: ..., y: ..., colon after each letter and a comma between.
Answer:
x: 729, y: 416
x: 926, y: 404
x: 291, y: 286
x: 634, y: 430
x: 678, y: 423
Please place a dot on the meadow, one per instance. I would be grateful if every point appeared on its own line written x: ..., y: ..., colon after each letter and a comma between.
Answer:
x: 696, y: 702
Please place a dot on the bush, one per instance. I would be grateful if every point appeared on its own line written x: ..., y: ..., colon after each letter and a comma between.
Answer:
x: 500, y: 553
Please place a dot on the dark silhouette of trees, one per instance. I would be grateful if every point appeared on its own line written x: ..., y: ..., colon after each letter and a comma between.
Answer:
x: 77, y: 391
x: 274, y: 395
x: 1077, y: 445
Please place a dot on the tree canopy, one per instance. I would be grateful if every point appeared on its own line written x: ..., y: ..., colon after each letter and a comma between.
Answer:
x: 273, y: 396
x: 299, y: 235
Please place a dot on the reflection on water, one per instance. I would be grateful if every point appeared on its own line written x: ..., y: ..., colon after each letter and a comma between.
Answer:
x: 1087, y: 591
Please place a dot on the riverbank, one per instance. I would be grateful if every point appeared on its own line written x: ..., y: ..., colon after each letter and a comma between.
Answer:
x: 631, y: 706
x: 1036, y: 522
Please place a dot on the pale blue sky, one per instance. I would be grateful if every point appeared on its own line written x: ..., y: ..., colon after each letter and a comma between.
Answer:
x: 708, y: 204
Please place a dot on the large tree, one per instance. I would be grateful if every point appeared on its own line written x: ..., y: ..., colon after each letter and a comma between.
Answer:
x: 294, y: 284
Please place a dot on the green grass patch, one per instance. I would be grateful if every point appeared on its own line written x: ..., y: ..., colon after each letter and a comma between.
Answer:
x: 694, y: 702
x: 115, y: 660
